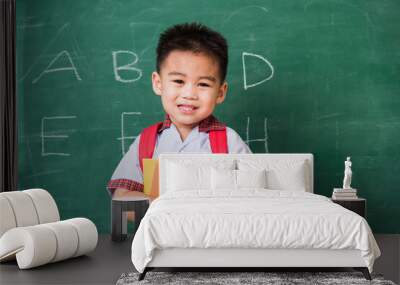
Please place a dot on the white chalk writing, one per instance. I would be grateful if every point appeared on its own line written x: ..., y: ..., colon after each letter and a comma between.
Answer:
x: 45, y: 135
x: 246, y: 85
x: 50, y: 70
x: 265, y: 139
x: 123, y: 137
x: 129, y: 66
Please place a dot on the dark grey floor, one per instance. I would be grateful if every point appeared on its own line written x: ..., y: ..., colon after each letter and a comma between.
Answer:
x: 103, y: 266
x: 389, y: 262
x: 110, y: 260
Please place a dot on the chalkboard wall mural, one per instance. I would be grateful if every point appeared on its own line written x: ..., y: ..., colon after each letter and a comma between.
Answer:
x: 319, y: 77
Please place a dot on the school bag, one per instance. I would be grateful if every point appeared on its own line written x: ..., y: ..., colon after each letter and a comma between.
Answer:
x: 148, y: 137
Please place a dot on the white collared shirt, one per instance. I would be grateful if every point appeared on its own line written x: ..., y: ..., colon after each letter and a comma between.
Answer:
x: 128, y: 173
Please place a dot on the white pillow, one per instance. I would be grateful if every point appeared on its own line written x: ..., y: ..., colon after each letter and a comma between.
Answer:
x: 184, y: 174
x: 182, y: 177
x: 226, y: 179
x: 223, y: 179
x: 280, y: 174
x: 251, y: 178
x: 292, y: 179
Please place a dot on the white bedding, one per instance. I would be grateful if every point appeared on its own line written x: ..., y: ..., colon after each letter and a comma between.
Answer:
x: 251, y: 218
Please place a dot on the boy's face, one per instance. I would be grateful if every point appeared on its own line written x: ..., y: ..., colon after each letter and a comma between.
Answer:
x: 189, y: 86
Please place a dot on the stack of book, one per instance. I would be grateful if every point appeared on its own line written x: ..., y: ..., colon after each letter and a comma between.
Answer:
x: 344, y: 194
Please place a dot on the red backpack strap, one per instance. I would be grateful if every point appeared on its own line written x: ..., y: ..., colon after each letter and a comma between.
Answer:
x: 147, y: 142
x: 218, y: 141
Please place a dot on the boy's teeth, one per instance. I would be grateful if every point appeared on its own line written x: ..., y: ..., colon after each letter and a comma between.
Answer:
x: 186, y: 107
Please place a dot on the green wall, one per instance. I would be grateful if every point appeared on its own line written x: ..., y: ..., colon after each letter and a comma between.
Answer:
x: 322, y: 77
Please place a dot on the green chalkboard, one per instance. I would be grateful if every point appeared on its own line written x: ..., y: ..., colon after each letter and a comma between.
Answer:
x: 319, y: 77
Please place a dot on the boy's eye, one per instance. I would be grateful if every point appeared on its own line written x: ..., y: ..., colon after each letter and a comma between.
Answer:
x: 204, y: 84
x: 178, y: 81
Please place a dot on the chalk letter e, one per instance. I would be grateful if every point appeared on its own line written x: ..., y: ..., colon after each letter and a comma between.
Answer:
x: 45, y: 135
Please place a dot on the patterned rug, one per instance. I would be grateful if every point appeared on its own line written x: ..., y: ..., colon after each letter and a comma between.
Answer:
x: 269, y: 278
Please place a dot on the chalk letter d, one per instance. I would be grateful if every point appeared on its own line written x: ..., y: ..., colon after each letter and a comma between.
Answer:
x: 246, y: 86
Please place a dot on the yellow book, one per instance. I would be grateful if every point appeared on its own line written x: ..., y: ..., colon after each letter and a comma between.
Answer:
x: 150, y: 177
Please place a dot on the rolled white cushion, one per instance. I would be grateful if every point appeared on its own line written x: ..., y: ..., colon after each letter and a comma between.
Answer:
x: 40, y: 244
x: 87, y: 234
x: 67, y: 240
x: 45, y: 205
x: 23, y: 208
x: 7, y: 218
x: 33, y: 246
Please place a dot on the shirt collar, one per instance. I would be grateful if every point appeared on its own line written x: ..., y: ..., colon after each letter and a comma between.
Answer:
x: 210, y: 123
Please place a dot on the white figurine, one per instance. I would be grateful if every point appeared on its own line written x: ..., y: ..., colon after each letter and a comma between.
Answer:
x: 347, y: 174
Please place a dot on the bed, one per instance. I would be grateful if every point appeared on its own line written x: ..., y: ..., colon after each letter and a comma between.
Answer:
x: 247, y: 210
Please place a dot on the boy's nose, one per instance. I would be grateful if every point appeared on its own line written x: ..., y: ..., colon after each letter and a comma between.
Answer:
x: 189, y: 93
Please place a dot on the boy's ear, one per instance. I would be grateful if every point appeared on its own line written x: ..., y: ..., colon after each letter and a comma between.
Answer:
x: 222, y: 92
x: 156, y: 81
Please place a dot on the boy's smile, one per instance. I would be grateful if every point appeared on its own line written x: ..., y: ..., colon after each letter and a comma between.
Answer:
x: 190, y: 86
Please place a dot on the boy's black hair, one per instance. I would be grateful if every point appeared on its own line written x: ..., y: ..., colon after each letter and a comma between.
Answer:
x: 196, y: 38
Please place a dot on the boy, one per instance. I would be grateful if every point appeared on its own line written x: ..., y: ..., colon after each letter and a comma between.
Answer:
x: 190, y: 79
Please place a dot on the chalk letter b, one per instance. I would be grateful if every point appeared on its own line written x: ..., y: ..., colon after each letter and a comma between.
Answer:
x: 129, y: 66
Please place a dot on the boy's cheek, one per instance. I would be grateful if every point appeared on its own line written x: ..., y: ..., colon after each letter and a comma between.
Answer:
x: 166, y: 103
x: 168, y: 100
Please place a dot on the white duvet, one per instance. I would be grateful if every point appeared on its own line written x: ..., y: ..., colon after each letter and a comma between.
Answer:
x: 250, y: 219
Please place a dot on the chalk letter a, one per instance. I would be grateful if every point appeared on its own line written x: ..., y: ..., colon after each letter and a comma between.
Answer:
x: 50, y: 70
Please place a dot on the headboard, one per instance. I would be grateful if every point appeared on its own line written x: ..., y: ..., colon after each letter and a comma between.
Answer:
x: 240, y: 159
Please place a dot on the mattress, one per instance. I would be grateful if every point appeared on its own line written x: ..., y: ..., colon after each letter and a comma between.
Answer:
x: 250, y: 219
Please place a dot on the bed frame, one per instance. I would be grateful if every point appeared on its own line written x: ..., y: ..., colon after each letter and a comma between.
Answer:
x: 251, y: 258
x: 259, y: 258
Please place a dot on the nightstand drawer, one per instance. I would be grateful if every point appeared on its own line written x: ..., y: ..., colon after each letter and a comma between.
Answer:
x: 358, y: 206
